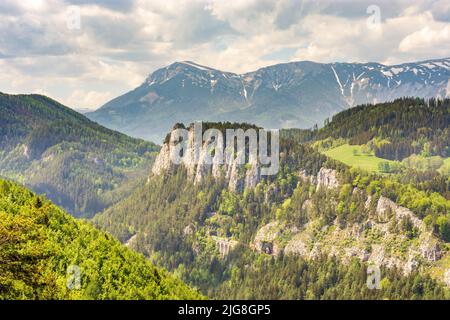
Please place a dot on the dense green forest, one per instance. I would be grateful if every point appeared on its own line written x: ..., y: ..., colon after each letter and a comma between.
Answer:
x: 177, y: 224
x: 159, y: 214
x: 79, y: 164
x: 227, y: 244
x: 324, y: 278
x: 43, y: 250
x: 395, y: 129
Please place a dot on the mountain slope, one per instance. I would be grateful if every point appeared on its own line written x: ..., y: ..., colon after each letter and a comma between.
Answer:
x: 81, y: 165
x: 395, y: 130
x: 43, y: 250
x: 296, y: 94
x: 316, y: 215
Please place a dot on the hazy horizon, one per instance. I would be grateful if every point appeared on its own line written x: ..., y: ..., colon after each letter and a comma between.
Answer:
x: 85, y: 52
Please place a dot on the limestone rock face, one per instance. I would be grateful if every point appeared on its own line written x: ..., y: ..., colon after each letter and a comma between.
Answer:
x: 162, y: 161
x: 384, y: 205
x: 26, y: 151
x: 355, y: 252
x: 380, y: 257
x: 391, y: 248
x: 239, y: 176
x: 252, y: 176
x: 327, y: 178
x: 265, y: 239
x: 316, y: 251
x: 189, y: 230
x: 410, y: 265
x: 296, y: 247
x: 224, y: 245
x: 235, y: 181
x: 430, y: 249
x: 306, y: 177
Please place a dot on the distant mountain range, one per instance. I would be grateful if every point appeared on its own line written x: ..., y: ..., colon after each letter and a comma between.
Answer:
x: 83, y: 110
x: 296, y: 94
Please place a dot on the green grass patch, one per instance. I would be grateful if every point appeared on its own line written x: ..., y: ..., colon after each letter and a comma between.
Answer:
x: 355, y: 157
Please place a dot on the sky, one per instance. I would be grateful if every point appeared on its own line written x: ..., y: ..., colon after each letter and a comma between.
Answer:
x: 85, y: 52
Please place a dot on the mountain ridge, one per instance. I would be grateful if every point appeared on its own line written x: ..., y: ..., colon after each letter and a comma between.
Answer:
x: 315, y: 209
x: 51, y: 148
x: 293, y: 94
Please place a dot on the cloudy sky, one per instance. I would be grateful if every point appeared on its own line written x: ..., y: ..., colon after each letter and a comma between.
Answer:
x: 85, y: 52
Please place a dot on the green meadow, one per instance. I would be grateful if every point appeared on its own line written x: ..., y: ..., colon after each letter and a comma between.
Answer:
x: 354, y: 156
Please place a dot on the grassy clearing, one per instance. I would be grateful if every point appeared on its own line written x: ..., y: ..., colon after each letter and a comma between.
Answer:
x: 354, y: 156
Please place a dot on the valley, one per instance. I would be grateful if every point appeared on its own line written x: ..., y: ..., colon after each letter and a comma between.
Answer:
x: 237, y: 159
x: 79, y: 164
x: 331, y: 211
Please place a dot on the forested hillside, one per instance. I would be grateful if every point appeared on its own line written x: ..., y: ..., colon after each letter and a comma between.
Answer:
x: 311, y: 231
x: 43, y: 250
x: 396, y: 129
x: 79, y: 164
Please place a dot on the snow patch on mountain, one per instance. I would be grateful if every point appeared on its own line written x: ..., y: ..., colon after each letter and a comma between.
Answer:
x: 294, y: 94
x: 338, y: 80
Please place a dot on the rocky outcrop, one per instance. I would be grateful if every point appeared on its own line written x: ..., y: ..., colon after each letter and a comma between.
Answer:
x: 327, y: 178
x: 252, y: 175
x: 386, y: 206
x: 131, y: 241
x: 234, y: 176
x: 380, y: 257
x: 239, y: 176
x: 447, y: 278
x: 297, y: 247
x: 303, y: 175
x: 265, y: 239
x: 162, y: 162
x: 356, y: 252
x: 26, y: 152
x: 189, y: 230
x: 430, y: 248
x: 377, y: 240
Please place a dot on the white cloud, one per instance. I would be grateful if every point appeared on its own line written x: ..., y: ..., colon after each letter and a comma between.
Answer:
x: 121, y: 41
x: 427, y: 37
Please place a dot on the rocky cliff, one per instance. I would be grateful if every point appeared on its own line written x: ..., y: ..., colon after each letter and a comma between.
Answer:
x: 376, y: 240
x: 239, y: 176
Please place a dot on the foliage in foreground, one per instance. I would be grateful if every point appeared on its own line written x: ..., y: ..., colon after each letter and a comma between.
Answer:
x: 40, y: 244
